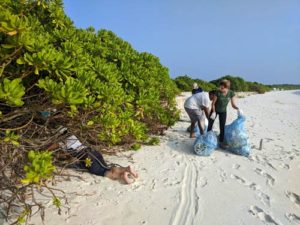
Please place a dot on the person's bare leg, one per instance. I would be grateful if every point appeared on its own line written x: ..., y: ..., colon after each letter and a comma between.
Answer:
x: 121, y: 173
x: 132, y: 171
x: 192, y: 132
x: 115, y: 173
x: 201, y: 127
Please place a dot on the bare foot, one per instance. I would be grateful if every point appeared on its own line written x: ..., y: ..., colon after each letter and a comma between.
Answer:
x: 132, y: 171
x: 193, y: 135
x: 126, y: 178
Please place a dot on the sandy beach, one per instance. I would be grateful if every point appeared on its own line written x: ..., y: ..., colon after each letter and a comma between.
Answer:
x: 177, y: 187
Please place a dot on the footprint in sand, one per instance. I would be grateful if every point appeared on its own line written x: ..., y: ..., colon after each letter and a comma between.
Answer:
x: 253, y: 147
x: 223, y: 175
x: 239, y: 179
x: 271, y: 165
x: 293, y: 218
x: 269, y: 139
x: 270, y: 180
x: 262, y: 215
x: 236, y: 166
x: 170, y: 183
x: 256, y: 159
x: 291, y: 158
x: 213, y: 160
x: 202, y: 182
x: 285, y: 166
x: 264, y: 198
x: 153, y: 184
x: 254, y: 186
x: 293, y: 197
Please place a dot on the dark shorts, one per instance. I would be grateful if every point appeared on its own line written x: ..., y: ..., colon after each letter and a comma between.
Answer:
x: 98, y: 165
x: 194, y: 114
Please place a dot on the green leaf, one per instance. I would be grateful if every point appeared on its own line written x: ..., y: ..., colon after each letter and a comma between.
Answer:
x: 36, y: 70
x: 90, y: 123
x: 56, y: 202
x: 88, y: 162
x: 7, y: 46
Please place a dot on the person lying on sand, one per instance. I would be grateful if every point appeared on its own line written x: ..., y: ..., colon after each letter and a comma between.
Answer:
x: 93, y: 161
x: 219, y: 108
x: 196, y: 106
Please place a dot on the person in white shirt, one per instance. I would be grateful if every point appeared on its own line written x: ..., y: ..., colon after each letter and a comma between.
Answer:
x: 197, y: 107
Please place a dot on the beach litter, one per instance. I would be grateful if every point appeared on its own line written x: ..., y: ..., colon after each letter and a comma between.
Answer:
x: 205, y: 144
x: 236, y: 137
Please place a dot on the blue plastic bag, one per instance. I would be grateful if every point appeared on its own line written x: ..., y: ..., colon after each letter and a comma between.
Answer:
x: 236, y: 137
x: 205, y: 144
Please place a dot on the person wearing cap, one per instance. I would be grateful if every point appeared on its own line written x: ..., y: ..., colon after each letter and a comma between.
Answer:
x: 219, y: 108
x: 196, y: 89
x: 197, y: 108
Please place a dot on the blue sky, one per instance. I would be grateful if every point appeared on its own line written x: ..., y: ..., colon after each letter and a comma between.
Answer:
x: 258, y: 40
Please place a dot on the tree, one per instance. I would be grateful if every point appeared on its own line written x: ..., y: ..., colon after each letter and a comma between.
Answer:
x: 185, y: 83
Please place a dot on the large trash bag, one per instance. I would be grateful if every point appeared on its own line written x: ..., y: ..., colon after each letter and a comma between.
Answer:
x: 236, y: 137
x: 205, y: 144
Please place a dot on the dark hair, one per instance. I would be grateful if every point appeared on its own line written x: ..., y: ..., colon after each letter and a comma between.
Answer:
x: 213, y: 92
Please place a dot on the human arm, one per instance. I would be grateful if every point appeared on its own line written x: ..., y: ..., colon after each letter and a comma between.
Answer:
x: 53, y: 147
x: 213, y: 104
x: 206, y: 111
x: 233, y: 103
x: 213, y: 108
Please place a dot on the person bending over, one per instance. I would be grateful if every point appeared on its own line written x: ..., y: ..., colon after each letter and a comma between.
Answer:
x: 196, y: 106
x: 196, y: 89
x: 93, y: 161
x: 219, y: 108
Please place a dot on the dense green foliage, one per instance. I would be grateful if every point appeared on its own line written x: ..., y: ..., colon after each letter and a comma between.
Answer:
x: 236, y: 83
x: 91, y: 82
x: 184, y: 83
x: 239, y: 84
x: 258, y: 87
x: 82, y: 70
x: 39, y: 167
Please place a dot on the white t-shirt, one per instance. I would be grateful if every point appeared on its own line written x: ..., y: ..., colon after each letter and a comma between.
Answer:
x: 71, y: 144
x: 197, y: 101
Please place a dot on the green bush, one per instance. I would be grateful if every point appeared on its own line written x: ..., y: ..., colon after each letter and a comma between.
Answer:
x: 257, y: 87
x: 185, y: 83
x: 39, y: 167
x: 136, y: 147
x: 154, y: 141
x: 82, y: 70
x: 236, y: 83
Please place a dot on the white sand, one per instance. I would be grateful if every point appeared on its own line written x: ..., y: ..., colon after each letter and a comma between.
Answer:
x: 177, y: 187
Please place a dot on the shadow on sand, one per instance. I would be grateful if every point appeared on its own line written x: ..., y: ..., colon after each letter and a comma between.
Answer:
x: 296, y: 92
